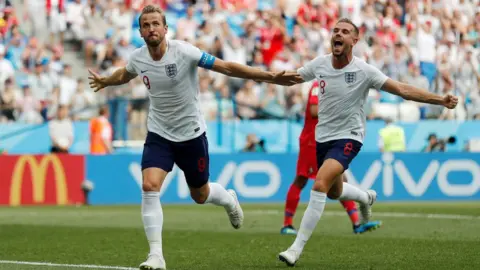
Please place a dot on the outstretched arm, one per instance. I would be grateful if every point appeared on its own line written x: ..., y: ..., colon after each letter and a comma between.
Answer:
x: 120, y: 76
x: 410, y: 92
x: 233, y: 69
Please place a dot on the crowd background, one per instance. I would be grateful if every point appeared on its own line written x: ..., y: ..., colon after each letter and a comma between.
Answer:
x: 432, y: 44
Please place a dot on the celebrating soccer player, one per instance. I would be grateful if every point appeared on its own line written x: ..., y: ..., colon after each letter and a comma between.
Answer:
x: 307, y: 169
x: 344, y: 82
x: 176, y: 128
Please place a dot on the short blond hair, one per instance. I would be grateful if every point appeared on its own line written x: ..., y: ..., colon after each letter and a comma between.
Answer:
x: 152, y: 9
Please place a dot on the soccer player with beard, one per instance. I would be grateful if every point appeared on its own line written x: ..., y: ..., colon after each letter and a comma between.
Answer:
x: 176, y: 128
x: 307, y: 169
x: 344, y: 82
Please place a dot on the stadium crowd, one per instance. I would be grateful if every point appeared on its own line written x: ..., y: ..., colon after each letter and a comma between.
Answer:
x: 433, y: 44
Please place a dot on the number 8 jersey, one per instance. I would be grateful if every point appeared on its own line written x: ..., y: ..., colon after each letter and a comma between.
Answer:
x: 342, y: 94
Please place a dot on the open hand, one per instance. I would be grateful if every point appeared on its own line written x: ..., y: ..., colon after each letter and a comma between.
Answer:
x: 97, y: 82
x: 286, y: 78
x: 450, y: 101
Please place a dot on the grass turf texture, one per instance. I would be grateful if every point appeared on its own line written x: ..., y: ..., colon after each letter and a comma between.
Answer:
x: 200, y: 237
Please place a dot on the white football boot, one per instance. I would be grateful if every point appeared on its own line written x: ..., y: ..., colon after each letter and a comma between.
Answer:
x: 366, y: 209
x: 236, y: 215
x: 154, y: 262
x: 289, y: 256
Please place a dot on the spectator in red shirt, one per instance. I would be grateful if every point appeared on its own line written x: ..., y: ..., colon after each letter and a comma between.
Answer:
x: 307, y: 14
x: 272, y: 37
x: 10, y: 20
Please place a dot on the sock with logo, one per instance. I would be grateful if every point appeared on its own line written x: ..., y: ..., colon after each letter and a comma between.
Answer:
x: 310, y: 219
x: 352, y: 193
x: 293, y: 197
x: 152, y: 216
x: 352, y: 212
x: 219, y: 196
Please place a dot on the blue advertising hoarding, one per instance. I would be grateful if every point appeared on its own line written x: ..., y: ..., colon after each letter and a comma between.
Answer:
x: 226, y: 137
x: 261, y: 177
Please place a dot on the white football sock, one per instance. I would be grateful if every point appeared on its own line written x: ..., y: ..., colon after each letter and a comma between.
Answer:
x: 219, y: 196
x: 351, y: 192
x: 310, y: 219
x: 152, y: 216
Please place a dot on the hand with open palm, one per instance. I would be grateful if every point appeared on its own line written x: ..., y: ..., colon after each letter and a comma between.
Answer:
x: 97, y: 82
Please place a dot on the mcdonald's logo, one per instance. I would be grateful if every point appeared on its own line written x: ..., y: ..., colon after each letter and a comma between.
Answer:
x: 38, y: 172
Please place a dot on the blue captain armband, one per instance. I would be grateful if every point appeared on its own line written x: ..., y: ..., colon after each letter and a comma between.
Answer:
x: 206, y: 61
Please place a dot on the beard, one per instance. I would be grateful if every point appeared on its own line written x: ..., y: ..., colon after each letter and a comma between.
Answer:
x: 340, y: 52
x: 153, y: 42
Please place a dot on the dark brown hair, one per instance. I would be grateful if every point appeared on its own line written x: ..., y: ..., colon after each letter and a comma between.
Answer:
x: 346, y: 20
x: 152, y: 9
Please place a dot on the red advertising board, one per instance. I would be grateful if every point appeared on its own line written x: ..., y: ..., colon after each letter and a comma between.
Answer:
x: 41, y: 179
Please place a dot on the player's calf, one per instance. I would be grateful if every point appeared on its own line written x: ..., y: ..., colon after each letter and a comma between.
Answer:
x: 200, y: 195
x: 336, y: 189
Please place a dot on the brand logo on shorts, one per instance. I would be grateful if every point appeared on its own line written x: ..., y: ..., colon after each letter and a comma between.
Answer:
x: 348, y: 148
x: 350, y: 77
x: 171, y: 70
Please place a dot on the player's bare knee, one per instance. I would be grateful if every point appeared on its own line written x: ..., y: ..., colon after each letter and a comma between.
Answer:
x: 153, y: 179
x: 321, y: 186
x: 150, y: 185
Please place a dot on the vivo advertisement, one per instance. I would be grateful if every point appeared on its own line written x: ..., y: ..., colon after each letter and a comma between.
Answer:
x: 267, y: 177
x: 257, y: 177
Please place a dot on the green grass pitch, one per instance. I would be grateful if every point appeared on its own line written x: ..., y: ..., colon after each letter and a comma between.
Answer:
x: 413, y: 236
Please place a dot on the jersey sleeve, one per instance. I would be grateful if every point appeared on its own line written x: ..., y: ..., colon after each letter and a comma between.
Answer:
x: 377, y: 78
x: 130, y: 64
x: 197, y: 57
x: 308, y: 70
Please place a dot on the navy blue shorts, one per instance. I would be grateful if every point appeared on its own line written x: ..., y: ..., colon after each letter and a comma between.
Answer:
x: 343, y: 151
x: 190, y: 156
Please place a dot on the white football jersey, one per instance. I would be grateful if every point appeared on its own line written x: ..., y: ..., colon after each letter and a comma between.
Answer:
x: 172, y: 84
x: 342, y: 94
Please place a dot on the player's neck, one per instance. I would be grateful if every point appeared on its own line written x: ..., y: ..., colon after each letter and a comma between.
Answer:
x: 339, y: 62
x: 159, y: 51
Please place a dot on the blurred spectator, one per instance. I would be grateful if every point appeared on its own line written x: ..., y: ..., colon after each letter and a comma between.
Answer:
x: 391, y: 138
x: 6, y: 67
x: 56, y: 19
x: 61, y: 131
x: 81, y: 100
x: 101, y: 133
x: 139, y: 108
x: 247, y: 101
x: 68, y: 85
x: 7, y: 102
x: 254, y: 144
x: 438, y: 145
x: 29, y: 107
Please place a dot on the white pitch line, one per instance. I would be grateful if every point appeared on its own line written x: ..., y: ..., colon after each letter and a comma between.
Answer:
x: 67, y: 265
x: 380, y: 214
